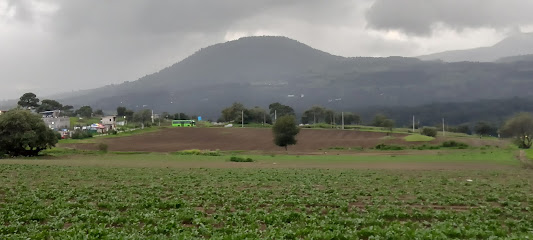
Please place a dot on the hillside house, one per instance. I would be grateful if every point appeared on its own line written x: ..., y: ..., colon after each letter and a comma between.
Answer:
x: 109, y: 122
x: 53, y: 120
x: 2, y: 112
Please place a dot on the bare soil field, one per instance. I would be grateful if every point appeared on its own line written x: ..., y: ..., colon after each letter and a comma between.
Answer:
x: 255, y: 139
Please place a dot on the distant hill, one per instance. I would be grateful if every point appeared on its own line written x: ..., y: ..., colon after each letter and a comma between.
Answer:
x: 454, y: 113
x: 260, y: 70
x: 519, y: 44
x: 520, y: 58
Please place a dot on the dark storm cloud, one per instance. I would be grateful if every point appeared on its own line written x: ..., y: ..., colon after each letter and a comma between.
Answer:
x: 419, y: 17
x: 168, y: 16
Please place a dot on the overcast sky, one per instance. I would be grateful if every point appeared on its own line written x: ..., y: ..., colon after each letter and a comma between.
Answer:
x: 50, y: 46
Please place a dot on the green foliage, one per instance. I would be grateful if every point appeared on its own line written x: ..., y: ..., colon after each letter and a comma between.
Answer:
x: 143, y: 117
x: 49, y: 105
x: 349, y: 118
x: 483, y: 128
x: 235, y: 113
x: 102, y: 147
x: 386, y: 147
x: 314, y: 115
x: 28, y: 100
x: 85, y: 111
x: 99, y: 112
x: 381, y: 120
x: 429, y: 131
x: 199, y: 152
x: 181, y: 116
x: 60, y: 202
x: 24, y: 134
x: 121, y: 111
x: 81, y: 134
x: 240, y: 159
x: 418, y: 138
x: 520, y: 127
x: 280, y: 110
x: 285, y: 131
x: 454, y: 144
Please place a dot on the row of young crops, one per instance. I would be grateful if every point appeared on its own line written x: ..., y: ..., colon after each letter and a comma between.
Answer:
x: 76, y: 202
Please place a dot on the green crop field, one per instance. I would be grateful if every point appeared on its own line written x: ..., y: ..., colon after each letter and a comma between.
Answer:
x: 90, y: 195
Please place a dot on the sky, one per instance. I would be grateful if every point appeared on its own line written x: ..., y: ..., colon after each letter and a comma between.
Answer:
x: 53, y: 46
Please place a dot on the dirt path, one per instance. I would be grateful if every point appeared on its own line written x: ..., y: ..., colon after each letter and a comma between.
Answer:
x: 525, y: 160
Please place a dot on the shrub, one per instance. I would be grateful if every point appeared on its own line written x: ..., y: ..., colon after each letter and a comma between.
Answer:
x: 80, y: 134
x: 240, y: 159
x: 103, y: 147
x: 386, y: 147
x: 199, y: 152
x: 431, y: 132
x: 454, y: 144
x: 58, y: 135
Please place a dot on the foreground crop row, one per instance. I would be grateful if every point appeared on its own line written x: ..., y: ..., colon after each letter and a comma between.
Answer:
x: 76, y: 202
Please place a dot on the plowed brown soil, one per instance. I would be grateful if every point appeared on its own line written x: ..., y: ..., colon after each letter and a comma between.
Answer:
x: 249, y: 139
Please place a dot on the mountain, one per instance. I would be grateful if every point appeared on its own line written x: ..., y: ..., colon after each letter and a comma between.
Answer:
x: 257, y: 71
x: 520, y: 58
x: 518, y: 44
x: 454, y: 113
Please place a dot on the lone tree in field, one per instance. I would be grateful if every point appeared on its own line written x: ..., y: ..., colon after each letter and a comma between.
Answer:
x: 521, y: 127
x: 285, y: 131
x: 24, y: 134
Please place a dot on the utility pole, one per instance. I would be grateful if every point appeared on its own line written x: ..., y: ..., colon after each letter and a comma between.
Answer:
x: 413, y: 123
x: 242, y: 119
x: 275, y: 115
x: 342, y: 115
x: 443, y: 131
x: 152, y: 117
x: 314, y: 118
x: 264, y: 119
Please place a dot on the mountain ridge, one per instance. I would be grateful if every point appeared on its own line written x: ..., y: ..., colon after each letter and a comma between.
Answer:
x: 260, y: 70
x: 518, y: 44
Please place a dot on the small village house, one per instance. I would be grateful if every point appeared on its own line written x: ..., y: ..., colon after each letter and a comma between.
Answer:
x: 109, y: 122
x: 55, y: 121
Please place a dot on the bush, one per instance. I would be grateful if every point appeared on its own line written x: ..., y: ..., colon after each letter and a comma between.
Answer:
x: 199, y: 152
x: 431, y: 132
x: 426, y: 147
x: 454, y: 144
x: 80, y: 134
x: 240, y: 159
x: 58, y: 135
x: 386, y: 147
x: 103, y: 147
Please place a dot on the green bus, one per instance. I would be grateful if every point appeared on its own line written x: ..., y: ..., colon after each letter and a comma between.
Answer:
x: 183, y: 123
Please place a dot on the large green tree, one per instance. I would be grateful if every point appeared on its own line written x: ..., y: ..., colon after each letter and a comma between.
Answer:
x: 315, y: 114
x: 121, y: 111
x: 520, y: 127
x: 24, y: 134
x: 143, y: 116
x: 49, y: 105
x: 258, y: 115
x: 28, y: 101
x: 285, y: 131
x: 234, y: 113
x: 280, y: 110
x: 484, y: 128
x: 85, y: 111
